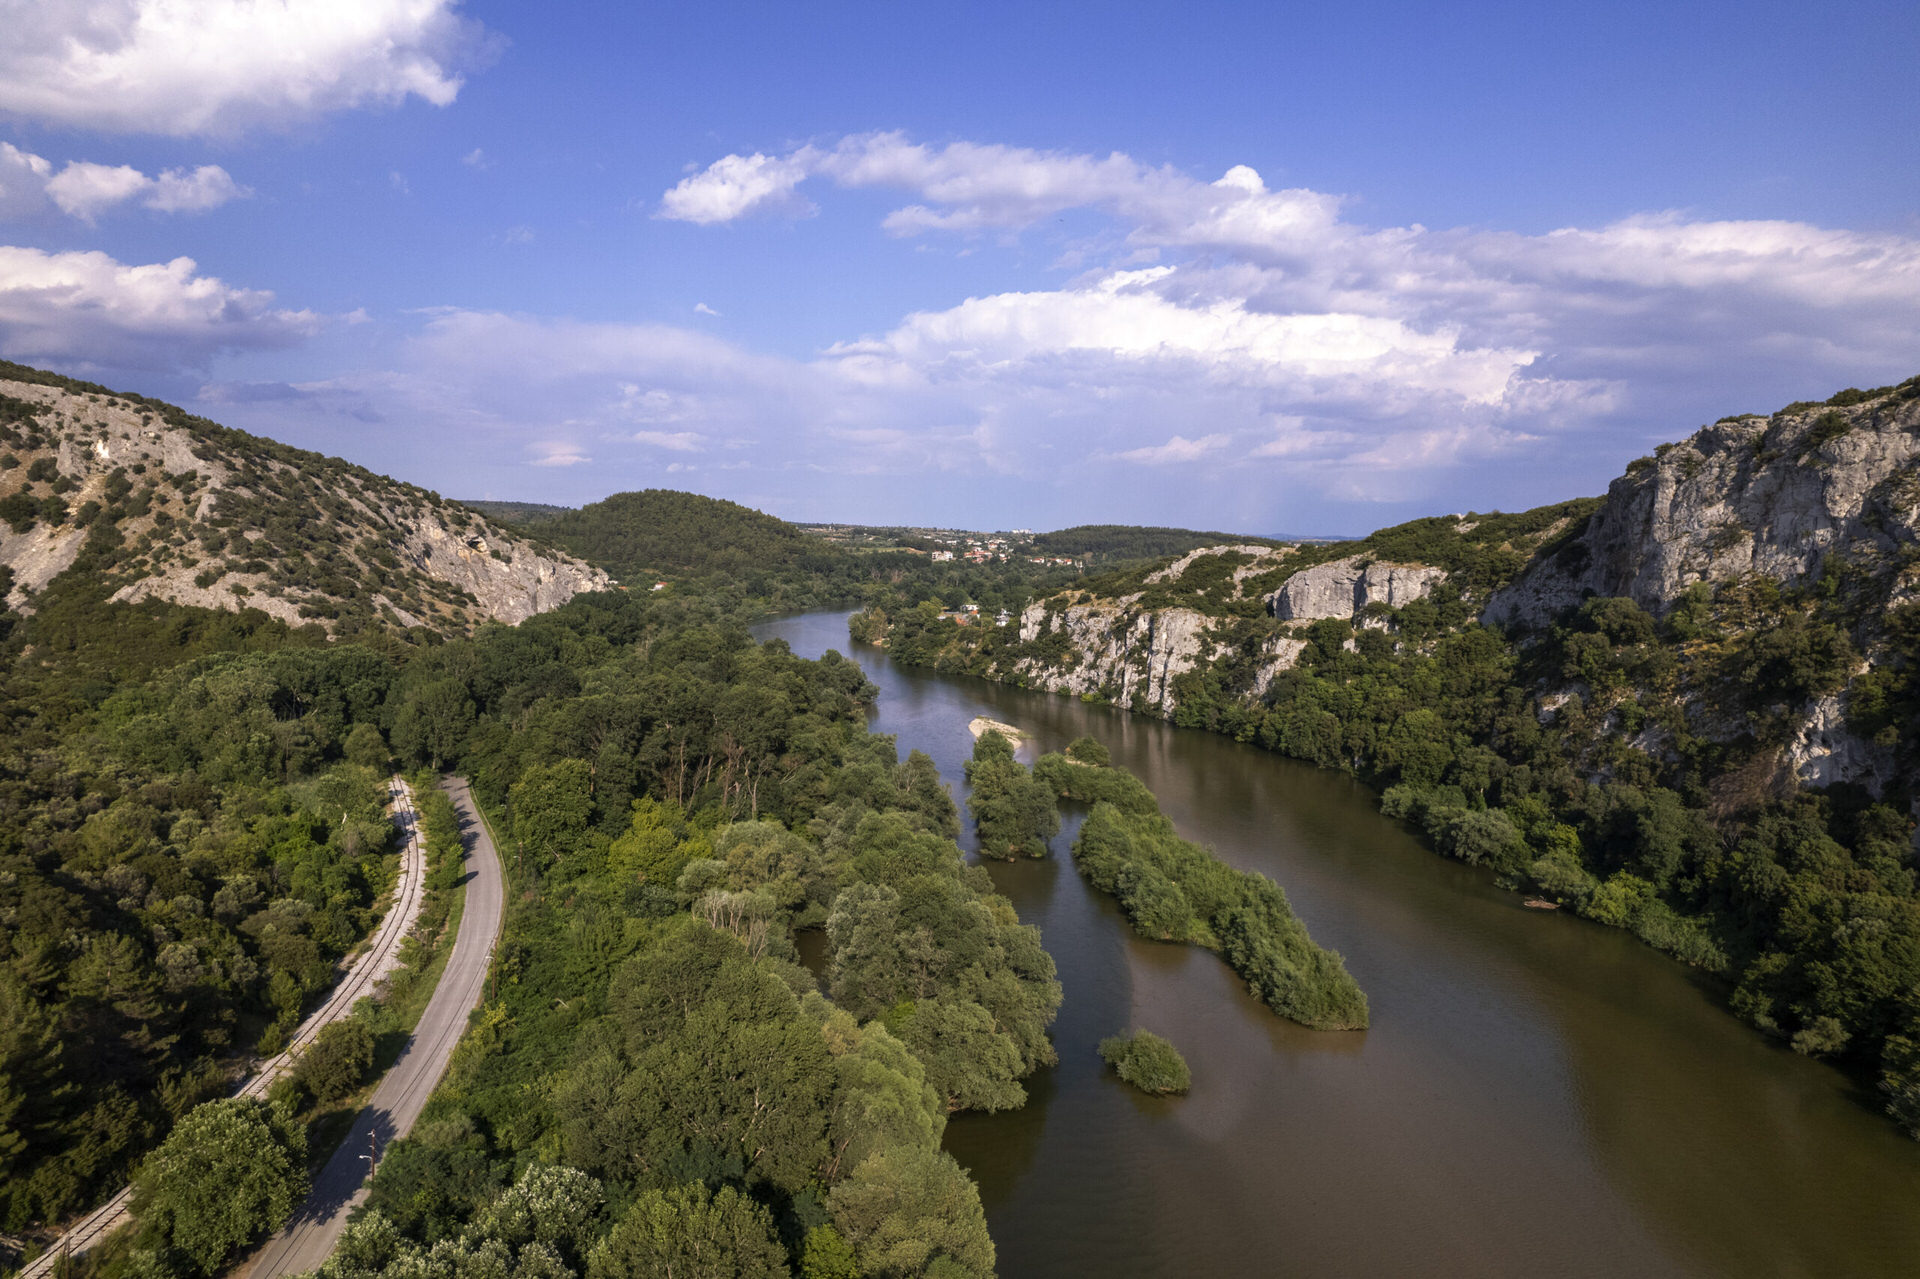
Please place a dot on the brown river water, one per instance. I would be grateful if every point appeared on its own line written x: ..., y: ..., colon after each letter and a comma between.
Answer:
x: 1538, y: 1096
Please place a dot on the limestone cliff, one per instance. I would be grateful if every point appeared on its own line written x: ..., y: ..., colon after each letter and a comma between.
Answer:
x: 1773, y: 496
x: 173, y: 507
x: 1345, y: 587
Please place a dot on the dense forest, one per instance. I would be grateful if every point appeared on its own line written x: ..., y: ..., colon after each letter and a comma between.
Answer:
x: 194, y: 833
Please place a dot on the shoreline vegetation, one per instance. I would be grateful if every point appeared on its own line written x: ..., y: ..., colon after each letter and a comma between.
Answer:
x: 1014, y: 813
x: 1148, y: 1062
x: 1174, y: 890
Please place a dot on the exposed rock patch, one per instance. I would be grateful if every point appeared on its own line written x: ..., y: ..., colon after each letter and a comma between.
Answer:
x: 1750, y: 495
x: 1344, y: 588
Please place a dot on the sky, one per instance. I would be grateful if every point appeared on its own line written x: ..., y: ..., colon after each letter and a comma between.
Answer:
x: 1263, y: 267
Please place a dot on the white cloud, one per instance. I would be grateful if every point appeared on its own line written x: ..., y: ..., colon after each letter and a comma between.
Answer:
x: 477, y: 159
x: 1303, y: 360
x: 736, y: 186
x: 184, y: 67
x: 1176, y: 450
x: 701, y: 308
x: 193, y: 190
x: 677, y: 441
x: 554, y: 453
x: 88, y: 309
x: 83, y: 189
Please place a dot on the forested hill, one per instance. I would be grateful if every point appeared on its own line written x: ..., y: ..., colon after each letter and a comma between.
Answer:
x: 124, y: 497
x: 1690, y: 708
x: 638, y: 535
x: 1112, y: 543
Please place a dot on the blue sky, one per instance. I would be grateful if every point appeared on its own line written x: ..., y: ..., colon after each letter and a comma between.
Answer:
x: 1261, y: 267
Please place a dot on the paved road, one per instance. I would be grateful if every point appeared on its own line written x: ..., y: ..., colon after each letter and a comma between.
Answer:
x: 397, y: 1102
x: 380, y: 957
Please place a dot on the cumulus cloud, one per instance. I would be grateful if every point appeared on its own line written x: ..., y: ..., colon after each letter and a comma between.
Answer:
x: 30, y: 188
x: 89, y: 310
x: 1392, y: 347
x: 1230, y: 353
x: 185, y: 67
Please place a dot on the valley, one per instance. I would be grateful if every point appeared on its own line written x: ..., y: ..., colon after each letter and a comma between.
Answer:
x: 760, y: 984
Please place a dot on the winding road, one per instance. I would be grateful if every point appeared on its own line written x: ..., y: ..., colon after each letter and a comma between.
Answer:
x: 380, y: 957
x: 390, y: 1114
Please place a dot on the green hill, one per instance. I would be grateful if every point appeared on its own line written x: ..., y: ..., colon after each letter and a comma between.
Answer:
x: 1109, y: 543
x: 653, y: 531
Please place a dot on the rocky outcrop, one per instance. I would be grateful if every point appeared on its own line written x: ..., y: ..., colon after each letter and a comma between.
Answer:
x: 1344, y: 588
x: 1135, y: 656
x: 1259, y: 560
x: 1773, y: 496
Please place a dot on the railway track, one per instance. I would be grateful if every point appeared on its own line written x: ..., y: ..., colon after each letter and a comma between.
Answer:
x: 363, y: 975
x: 389, y: 1114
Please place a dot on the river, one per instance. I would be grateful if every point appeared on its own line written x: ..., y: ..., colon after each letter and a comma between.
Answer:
x: 1538, y: 1096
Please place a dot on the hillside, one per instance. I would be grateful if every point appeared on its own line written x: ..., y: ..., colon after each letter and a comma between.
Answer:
x: 1690, y: 708
x: 1111, y: 543
x: 518, y: 512
x: 638, y: 535
x: 151, y: 502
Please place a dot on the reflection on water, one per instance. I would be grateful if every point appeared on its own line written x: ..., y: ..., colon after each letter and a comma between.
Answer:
x: 1537, y: 1096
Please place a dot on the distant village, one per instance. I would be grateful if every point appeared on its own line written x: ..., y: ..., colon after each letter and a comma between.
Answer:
x: 944, y: 544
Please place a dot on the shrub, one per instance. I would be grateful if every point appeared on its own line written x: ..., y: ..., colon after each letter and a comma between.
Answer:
x: 337, y: 1061
x: 1148, y: 1062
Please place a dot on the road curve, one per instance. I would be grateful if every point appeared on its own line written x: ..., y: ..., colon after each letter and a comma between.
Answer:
x: 380, y: 956
x: 390, y: 1114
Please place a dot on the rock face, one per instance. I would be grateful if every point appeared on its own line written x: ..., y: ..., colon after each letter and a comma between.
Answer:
x: 210, y: 517
x: 1772, y: 496
x: 1344, y: 588
x: 1135, y: 656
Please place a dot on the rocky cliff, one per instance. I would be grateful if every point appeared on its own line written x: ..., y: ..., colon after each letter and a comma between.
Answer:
x: 173, y: 507
x: 1773, y: 496
x: 1345, y: 587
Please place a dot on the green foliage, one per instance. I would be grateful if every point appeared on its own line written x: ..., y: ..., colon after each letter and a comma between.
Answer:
x: 337, y: 1061
x: 1148, y: 1062
x: 1088, y: 750
x: 1174, y: 890
x: 1014, y: 813
x: 1112, y: 543
x: 229, y: 1173
x: 689, y: 1231
x: 908, y: 1209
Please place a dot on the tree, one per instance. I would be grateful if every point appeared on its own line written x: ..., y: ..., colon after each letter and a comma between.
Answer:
x: 230, y: 1172
x: 689, y: 1233
x: 1014, y: 813
x: 906, y: 1209
x: 433, y: 723
x: 1088, y: 750
x: 552, y: 805
x: 337, y: 1060
x: 364, y: 745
